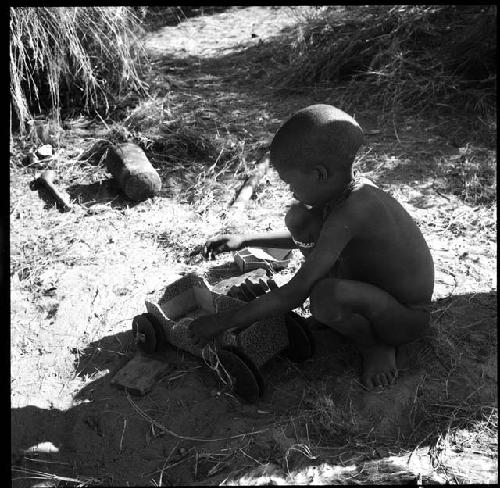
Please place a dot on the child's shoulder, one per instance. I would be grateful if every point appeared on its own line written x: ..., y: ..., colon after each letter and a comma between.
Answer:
x: 364, y: 193
x: 370, y: 204
x: 362, y: 204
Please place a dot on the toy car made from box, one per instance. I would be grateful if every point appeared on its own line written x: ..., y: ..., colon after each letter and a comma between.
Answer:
x: 241, y: 352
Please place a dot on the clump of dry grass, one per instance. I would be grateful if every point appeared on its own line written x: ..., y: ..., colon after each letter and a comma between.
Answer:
x: 49, y: 479
x: 152, y: 125
x: 401, y: 58
x: 181, y: 139
x: 329, y: 417
x: 156, y: 17
x: 472, y: 176
x: 457, y: 398
x: 71, y: 57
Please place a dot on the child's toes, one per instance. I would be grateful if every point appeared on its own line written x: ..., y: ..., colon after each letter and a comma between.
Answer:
x: 381, y: 380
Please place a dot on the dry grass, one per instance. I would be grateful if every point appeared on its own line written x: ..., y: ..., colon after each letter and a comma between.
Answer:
x: 472, y: 176
x: 400, y: 59
x: 156, y: 17
x: 49, y: 479
x: 71, y: 57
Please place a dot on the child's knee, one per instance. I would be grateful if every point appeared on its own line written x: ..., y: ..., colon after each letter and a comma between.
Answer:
x: 303, y: 223
x: 326, y: 300
x: 296, y: 217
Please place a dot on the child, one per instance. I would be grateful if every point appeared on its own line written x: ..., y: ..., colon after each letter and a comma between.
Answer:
x: 370, y: 274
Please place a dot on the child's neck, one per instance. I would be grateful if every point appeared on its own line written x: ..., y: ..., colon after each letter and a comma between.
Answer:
x: 343, y: 188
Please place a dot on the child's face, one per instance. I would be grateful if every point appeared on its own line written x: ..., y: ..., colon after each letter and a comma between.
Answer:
x: 303, y: 184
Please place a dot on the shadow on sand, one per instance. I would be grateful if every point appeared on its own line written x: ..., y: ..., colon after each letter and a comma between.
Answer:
x: 450, y: 382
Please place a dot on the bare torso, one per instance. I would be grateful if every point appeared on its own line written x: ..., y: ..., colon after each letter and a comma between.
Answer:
x: 389, y: 251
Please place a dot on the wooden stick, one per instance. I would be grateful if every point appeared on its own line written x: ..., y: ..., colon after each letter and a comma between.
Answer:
x: 46, y: 180
x: 246, y: 190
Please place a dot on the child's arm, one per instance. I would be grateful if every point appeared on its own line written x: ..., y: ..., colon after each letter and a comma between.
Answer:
x: 336, y: 233
x: 279, y: 239
x: 235, y: 242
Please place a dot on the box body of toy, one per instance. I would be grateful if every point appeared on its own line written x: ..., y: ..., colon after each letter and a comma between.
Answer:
x: 189, y: 298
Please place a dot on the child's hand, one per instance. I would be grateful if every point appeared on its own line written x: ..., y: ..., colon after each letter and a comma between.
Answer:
x: 204, y: 328
x: 220, y: 244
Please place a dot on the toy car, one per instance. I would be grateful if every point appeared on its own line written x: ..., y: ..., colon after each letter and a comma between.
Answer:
x: 241, y: 352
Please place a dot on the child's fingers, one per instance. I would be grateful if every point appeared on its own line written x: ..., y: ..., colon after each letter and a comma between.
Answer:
x: 222, y: 248
x: 233, y: 292
x: 263, y: 285
x: 256, y: 289
x: 246, y: 293
x: 250, y: 288
x: 272, y: 284
x: 208, y: 250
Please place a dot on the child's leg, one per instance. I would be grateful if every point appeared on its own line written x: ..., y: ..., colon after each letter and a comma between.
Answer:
x: 370, y: 317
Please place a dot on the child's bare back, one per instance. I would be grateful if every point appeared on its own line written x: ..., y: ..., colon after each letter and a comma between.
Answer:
x: 388, y: 249
x: 369, y: 274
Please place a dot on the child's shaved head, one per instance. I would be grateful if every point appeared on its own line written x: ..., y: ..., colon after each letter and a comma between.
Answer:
x: 318, y: 134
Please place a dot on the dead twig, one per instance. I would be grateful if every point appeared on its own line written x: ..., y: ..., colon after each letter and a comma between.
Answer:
x: 245, y: 192
x: 123, y: 433
x: 188, y: 438
x: 40, y: 475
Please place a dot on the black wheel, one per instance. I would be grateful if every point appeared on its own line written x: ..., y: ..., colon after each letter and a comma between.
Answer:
x: 144, y: 333
x: 250, y: 365
x: 247, y: 381
x: 161, y: 339
x: 300, y: 339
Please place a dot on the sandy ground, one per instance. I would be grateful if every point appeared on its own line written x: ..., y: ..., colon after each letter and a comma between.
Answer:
x: 315, y: 423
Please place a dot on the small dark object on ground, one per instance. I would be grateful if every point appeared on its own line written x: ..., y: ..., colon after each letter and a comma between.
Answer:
x: 46, y: 180
x: 140, y: 374
x: 135, y: 175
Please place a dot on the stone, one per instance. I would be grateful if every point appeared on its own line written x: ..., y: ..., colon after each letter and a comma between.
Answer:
x: 44, y: 151
x: 134, y: 173
x: 140, y: 374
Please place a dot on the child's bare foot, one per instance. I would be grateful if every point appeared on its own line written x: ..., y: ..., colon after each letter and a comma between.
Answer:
x: 379, y: 365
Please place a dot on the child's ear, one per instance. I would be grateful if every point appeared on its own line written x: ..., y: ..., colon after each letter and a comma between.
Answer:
x: 321, y: 172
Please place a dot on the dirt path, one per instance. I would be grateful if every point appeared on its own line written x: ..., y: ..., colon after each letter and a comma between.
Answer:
x: 71, y: 313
